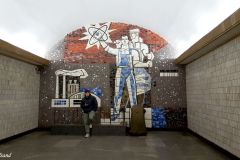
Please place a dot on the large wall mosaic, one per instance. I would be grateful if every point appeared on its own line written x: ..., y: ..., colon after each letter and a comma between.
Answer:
x: 124, y: 66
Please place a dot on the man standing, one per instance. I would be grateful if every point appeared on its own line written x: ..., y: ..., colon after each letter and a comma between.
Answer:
x: 89, y: 107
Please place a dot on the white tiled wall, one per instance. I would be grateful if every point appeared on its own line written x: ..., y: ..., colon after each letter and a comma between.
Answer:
x: 19, y: 97
x: 148, y: 117
x: 213, y: 96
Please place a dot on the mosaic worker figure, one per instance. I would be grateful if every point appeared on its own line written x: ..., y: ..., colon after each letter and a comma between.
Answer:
x: 144, y: 57
x: 125, y: 73
x: 89, y: 106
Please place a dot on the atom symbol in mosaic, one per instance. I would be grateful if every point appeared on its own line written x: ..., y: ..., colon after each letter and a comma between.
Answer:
x: 97, y: 33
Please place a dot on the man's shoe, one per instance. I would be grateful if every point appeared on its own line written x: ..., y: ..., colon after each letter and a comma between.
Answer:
x: 87, y: 135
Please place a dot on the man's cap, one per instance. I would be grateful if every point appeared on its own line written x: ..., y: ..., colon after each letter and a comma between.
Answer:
x: 87, y: 90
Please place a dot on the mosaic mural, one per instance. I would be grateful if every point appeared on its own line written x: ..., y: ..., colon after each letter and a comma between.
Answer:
x: 85, y: 44
x: 129, y: 46
x: 123, y: 65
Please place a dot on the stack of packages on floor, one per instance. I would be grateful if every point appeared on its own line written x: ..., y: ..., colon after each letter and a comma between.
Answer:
x: 158, y: 117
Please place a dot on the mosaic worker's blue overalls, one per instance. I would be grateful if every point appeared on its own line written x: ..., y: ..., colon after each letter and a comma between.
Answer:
x: 124, y: 74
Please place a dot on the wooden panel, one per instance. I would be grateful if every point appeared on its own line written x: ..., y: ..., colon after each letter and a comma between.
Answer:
x: 222, y: 33
x: 10, y: 50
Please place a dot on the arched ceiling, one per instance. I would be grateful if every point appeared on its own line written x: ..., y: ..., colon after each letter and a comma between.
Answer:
x: 37, y: 26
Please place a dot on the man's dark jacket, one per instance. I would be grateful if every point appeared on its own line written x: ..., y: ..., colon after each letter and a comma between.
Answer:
x: 89, y: 104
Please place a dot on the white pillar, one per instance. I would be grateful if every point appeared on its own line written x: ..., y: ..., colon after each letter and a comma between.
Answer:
x: 64, y: 87
x: 57, y: 87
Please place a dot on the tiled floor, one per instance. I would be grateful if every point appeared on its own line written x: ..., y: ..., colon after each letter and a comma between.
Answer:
x: 157, y: 145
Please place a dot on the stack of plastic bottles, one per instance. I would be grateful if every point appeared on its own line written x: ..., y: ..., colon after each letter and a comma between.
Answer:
x: 158, y: 117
